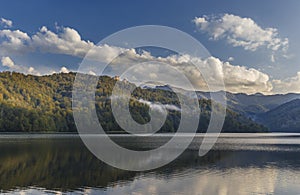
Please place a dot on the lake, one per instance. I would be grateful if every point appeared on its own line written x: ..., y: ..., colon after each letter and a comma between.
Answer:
x: 238, y: 164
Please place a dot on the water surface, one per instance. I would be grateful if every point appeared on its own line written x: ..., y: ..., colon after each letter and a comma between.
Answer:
x: 238, y: 164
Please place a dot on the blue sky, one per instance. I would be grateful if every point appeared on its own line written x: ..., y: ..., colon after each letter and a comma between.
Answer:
x: 94, y: 20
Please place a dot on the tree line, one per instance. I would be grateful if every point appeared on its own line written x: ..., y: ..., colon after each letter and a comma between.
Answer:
x: 43, y: 104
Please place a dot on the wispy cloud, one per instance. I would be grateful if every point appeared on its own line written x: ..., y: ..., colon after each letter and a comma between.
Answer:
x: 159, y: 107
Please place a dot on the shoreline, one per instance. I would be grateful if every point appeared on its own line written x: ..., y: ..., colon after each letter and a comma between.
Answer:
x: 6, y: 135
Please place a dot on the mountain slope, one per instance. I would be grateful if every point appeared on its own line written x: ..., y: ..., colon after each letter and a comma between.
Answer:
x: 255, y: 103
x: 43, y: 103
x: 284, y: 118
x: 278, y: 112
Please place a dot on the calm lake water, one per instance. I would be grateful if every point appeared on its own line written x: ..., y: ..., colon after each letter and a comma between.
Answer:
x: 238, y: 164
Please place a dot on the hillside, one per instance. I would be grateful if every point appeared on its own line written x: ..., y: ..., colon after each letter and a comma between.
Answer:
x: 284, y: 118
x: 43, y: 104
x: 278, y: 112
x: 251, y: 105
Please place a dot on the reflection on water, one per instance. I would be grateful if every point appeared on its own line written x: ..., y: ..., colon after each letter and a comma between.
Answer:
x: 55, y: 166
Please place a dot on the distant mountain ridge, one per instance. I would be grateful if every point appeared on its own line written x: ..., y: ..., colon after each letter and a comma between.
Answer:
x: 278, y: 112
x: 255, y: 103
x: 241, y: 102
x: 284, y: 118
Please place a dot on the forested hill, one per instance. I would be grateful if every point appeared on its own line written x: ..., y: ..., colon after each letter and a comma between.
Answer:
x: 284, y: 118
x: 43, y: 104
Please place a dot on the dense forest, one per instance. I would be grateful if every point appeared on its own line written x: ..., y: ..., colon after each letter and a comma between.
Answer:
x: 43, y: 104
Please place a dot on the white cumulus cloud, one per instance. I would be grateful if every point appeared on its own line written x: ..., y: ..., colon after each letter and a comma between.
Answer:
x: 68, y: 41
x: 64, y: 70
x: 7, y: 61
x: 230, y: 59
x: 10, y: 64
x: 14, y: 41
x: 287, y: 85
x: 237, y: 78
x: 65, y: 41
x: 243, y: 32
x: 6, y: 23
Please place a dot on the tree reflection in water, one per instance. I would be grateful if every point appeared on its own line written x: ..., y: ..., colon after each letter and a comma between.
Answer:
x: 66, y: 165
